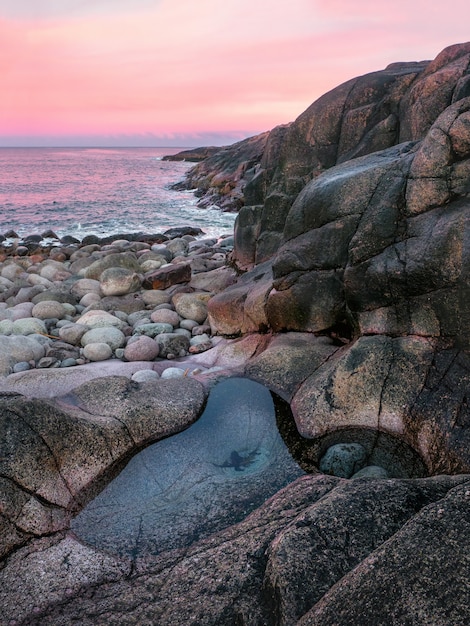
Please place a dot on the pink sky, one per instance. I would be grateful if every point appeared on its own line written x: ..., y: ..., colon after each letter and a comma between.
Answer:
x: 194, y: 72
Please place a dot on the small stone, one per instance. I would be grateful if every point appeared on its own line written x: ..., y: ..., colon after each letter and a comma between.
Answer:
x: 22, y: 366
x: 97, y: 351
x: 173, y: 372
x: 144, y: 376
x: 166, y: 316
x: 49, y: 309
x: 99, y: 319
x: 119, y: 281
x: 70, y: 362
x: 154, y: 297
x: 28, y: 326
x: 191, y: 306
x: 73, y: 333
x: 152, y: 330
x: 343, y: 459
x: 143, y: 348
x: 371, y: 471
x: 109, y: 335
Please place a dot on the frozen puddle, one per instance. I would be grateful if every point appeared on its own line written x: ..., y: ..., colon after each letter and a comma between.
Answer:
x: 202, y: 480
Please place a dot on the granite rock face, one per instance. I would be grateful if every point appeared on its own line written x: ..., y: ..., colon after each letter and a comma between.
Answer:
x: 380, y: 241
x: 324, y: 550
x: 355, y: 310
x: 221, y: 178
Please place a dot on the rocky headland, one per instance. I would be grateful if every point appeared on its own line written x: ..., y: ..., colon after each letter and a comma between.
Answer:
x: 346, y: 292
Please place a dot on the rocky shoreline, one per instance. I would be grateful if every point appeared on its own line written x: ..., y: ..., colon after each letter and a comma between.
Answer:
x: 346, y: 294
x: 134, y: 300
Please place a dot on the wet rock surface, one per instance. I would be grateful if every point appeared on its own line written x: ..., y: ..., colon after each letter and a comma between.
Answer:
x: 190, y: 485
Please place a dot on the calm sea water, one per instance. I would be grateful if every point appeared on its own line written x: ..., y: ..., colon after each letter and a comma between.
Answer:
x: 84, y: 191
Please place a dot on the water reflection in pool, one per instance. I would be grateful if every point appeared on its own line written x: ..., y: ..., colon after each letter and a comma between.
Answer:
x: 194, y: 483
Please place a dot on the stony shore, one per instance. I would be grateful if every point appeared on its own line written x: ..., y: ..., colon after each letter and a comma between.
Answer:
x: 352, y: 305
x: 67, y: 303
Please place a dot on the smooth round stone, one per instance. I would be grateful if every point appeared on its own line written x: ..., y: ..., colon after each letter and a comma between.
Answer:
x: 64, y: 322
x: 89, y: 298
x: 12, y: 271
x: 183, y: 331
x: 178, y: 247
x: 119, y: 281
x: 160, y: 248
x: 73, y: 333
x: 85, y: 285
x: 41, y: 339
x: 173, y: 372
x: 7, y: 284
x: 6, y: 327
x: 143, y: 348
x: 21, y: 310
x: 110, y: 335
x: 49, y: 309
x: 371, y: 471
x: 97, y: 351
x: 188, y: 324
x: 121, y: 316
x: 21, y: 348
x: 69, y: 309
x: 28, y: 326
x: 165, y: 316
x: 99, y: 319
x: 54, y: 271
x: 190, y: 306
x: 124, y: 260
x: 138, y: 316
x: 68, y: 362
x: 145, y: 376
x: 35, y: 279
x: 26, y: 294
x: 201, y: 330
x: 151, y: 264
x: 154, y: 297
x: 22, y: 366
x: 152, y: 330
x: 343, y: 459
x: 199, y: 339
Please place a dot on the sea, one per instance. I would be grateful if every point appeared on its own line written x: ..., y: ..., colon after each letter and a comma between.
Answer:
x: 99, y: 191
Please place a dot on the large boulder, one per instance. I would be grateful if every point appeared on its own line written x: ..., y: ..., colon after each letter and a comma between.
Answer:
x: 56, y: 454
x: 380, y: 242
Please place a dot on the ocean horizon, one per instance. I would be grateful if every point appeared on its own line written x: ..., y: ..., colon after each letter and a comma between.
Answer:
x: 99, y: 191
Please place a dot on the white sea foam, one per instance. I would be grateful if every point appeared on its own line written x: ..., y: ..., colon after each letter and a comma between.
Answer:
x: 99, y: 191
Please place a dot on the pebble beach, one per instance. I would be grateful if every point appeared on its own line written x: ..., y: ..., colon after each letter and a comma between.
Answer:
x: 66, y: 303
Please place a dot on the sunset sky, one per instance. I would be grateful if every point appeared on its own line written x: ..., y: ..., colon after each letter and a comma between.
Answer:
x: 195, y: 72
